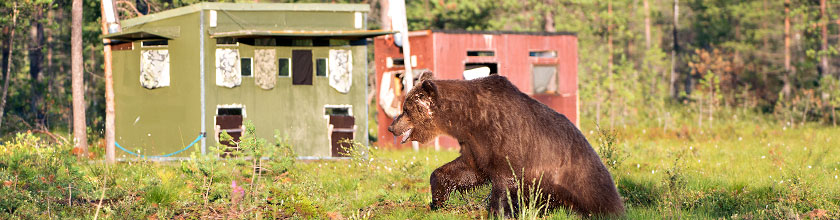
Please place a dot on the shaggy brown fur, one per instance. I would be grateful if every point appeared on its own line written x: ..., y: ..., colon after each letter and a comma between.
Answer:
x: 501, y: 129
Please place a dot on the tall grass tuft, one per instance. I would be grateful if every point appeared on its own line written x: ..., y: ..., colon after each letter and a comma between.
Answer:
x: 528, y: 202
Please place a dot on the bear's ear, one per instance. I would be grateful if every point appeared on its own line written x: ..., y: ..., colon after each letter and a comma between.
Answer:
x: 430, y: 88
x: 426, y: 75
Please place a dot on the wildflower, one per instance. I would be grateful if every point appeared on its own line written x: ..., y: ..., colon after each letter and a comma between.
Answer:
x: 236, y: 192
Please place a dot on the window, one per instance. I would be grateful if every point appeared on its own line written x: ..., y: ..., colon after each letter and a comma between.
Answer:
x: 301, y: 67
x: 544, y: 53
x: 545, y: 79
x: 265, y: 42
x: 302, y: 42
x: 225, y: 41
x: 339, y: 42
x: 337, y: 110
x: 246, y: 66
x: 283, y: 67
x: 478, y: 70
x: 321, y: 67
x: 229, y: 111
x: 321, y: 42
x: 154, y: 43
x: 481, y: 53
x: 399, y: 62
x: 118, y: 45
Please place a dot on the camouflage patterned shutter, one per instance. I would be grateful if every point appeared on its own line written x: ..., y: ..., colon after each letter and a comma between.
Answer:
x: 154, y: 68
x: 265, y: 68
x: 227, y: 67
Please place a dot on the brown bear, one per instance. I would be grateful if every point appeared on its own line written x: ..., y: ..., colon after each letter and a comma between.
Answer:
x: 502, y: 130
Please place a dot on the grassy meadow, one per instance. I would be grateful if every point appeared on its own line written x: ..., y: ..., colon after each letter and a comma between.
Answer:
x: 739, y: 166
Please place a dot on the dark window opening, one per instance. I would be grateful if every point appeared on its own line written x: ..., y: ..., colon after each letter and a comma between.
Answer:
x: 283, y: 67
x: 339, y: 42
x: 321, y: 42
x: 494, y: 68
x: 229, y: 111
x: 481, y: 53
x: 321, y: 67
x: 248, y: 41
x: 399, y: 62
x: 342, y: 111
x: 246, y: 66
x: 302, y: 42
x: 119, y: 45
x: 225, y: 40
x: 152, y: 43
x: 265, y: 42
x: 301, y: 67
x: 283, y: 42
x: 360, y: 42
x: 545, y: 54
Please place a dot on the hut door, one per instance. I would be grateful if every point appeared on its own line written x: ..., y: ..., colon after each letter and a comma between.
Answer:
x: 342, y: 127
x: 230, y: 121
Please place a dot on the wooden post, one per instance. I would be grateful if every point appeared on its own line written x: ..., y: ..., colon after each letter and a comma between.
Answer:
x: 108, y: 18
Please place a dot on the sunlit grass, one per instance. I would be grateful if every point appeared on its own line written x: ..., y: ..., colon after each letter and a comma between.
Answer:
x: 737, y: 167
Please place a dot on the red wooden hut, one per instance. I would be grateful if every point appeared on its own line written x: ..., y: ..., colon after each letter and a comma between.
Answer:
x: 542, y: 65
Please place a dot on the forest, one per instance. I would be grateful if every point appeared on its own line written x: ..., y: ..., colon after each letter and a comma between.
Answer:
x: 752, y: 84
x: 778, y: 58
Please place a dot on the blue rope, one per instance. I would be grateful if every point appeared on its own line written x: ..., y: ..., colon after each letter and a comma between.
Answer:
x: 165, y: 155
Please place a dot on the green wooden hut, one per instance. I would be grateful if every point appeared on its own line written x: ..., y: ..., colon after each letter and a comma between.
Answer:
x: 299, y: 70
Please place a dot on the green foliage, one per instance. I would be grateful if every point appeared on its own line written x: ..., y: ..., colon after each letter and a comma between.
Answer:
x: 528, y: 202
x: 608, y: 149
x: 742, y: 167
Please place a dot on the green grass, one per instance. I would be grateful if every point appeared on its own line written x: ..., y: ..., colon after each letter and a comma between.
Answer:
x: 747, y: 168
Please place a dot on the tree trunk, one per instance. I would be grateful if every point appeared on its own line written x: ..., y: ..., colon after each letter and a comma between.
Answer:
x: 787, y: 74
x: 36, y: 57
x: 824, y: 45
x: 647, y: 24
x: 79, y: 126
x: 549, y: 17
x: 673, y: 83
x: 109, y: 90
x: 48, y: 72
x: 383, y: 15
x: 8, y: 65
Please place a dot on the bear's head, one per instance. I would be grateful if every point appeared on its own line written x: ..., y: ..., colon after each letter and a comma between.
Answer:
x: 416, y: 122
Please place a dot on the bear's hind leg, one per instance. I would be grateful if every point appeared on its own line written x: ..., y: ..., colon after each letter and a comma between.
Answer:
x: 455, y: 175
x: 502, y: 197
